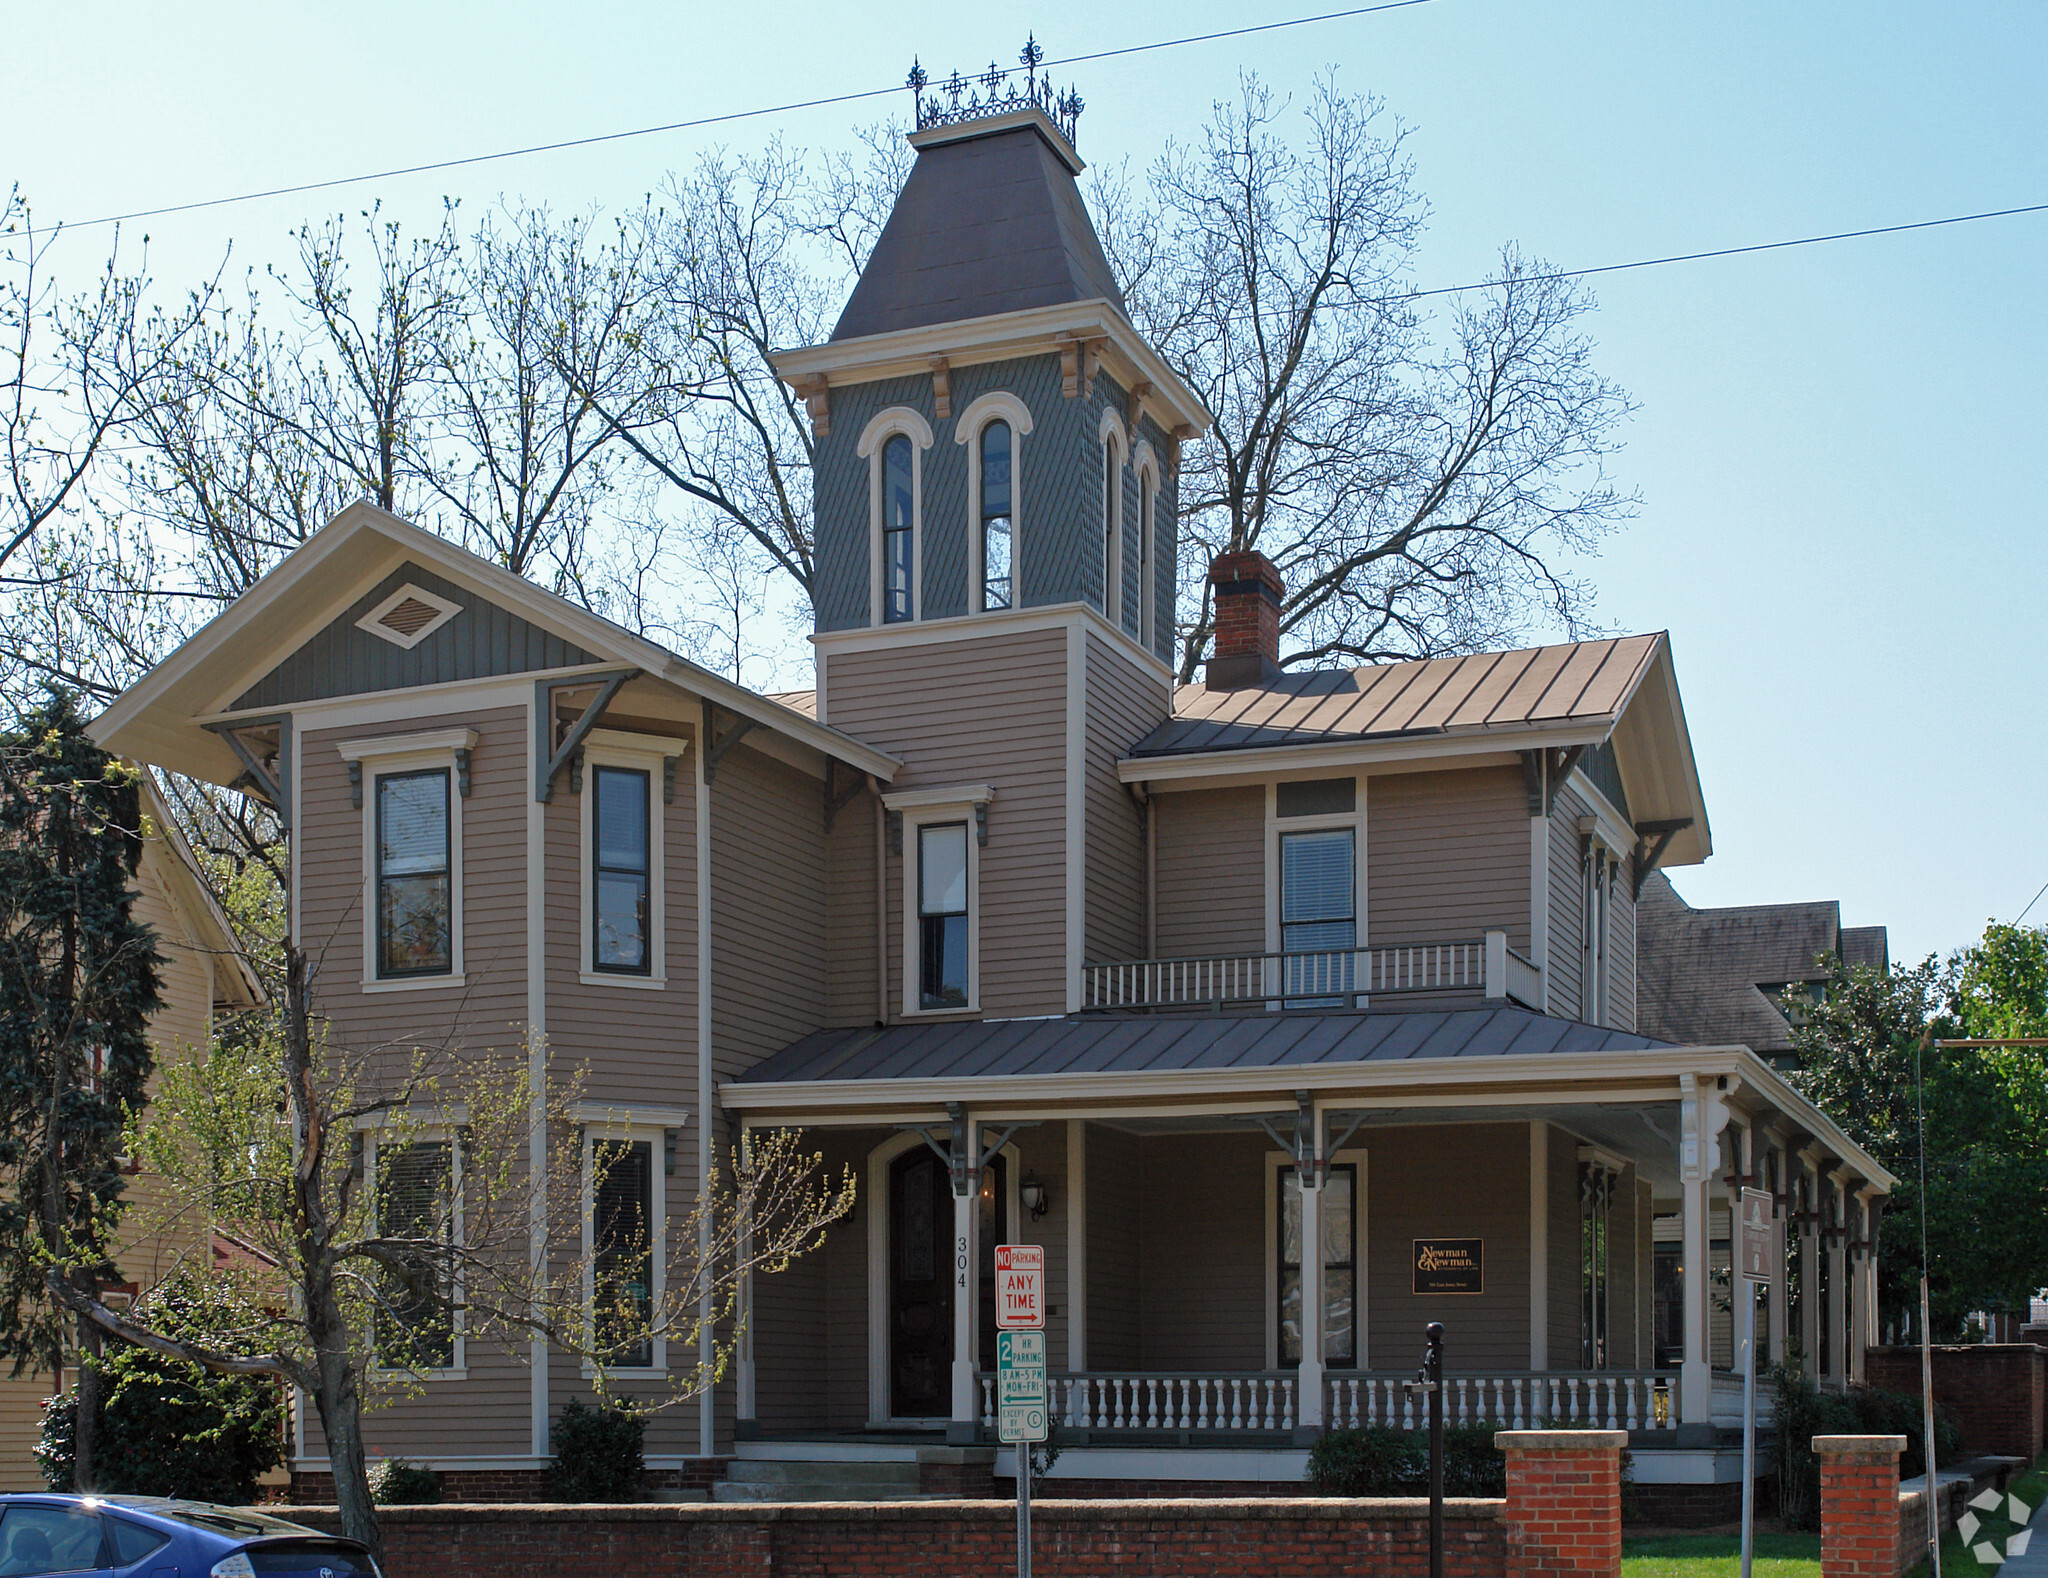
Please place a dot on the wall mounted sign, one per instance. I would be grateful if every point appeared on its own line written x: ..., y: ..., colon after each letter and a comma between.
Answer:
x: 1448, y: 1265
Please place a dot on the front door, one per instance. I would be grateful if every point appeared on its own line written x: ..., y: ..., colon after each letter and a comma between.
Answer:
x: 920, y: 1287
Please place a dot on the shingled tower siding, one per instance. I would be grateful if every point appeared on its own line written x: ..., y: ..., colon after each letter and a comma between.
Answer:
x: 1248, y: 591
x: 1859, y: 1506
x: 1564, y: 1503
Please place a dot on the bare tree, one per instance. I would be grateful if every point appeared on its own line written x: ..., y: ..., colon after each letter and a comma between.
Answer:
x: 1418, y: 496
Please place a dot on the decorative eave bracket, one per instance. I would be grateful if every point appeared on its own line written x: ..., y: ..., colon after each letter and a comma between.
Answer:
x: 1544, y: 772
x: 715, y: 744
x: 272, y: 784
x: 1655, y: 838
x: 549, y: 759
x: 837, y: 799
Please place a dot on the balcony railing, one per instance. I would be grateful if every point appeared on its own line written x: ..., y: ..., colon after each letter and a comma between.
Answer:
x: 1486, y: 966
x: 1595, y: 1399
x: 1181, y: 1402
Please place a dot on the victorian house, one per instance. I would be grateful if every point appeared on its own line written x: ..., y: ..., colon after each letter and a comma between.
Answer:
x: 1289, y: 1011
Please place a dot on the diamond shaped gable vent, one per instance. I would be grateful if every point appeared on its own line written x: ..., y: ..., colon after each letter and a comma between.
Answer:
x: 408, y: 616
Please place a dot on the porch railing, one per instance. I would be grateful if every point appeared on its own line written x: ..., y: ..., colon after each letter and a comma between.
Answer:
x: 1596, y: 1399
x: 1213, y: 1402
x: 1485, y: 965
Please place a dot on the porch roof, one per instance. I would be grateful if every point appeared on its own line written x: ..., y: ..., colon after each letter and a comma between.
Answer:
x: 1150, y: 1043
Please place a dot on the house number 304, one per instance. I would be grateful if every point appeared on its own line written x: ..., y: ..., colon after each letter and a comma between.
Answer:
x: 960, y: 1260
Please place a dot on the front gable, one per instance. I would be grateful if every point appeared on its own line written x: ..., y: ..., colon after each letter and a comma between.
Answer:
x: 348, y: 658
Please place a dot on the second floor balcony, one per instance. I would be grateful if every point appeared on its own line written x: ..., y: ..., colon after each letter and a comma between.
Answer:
x: 1341, y: 978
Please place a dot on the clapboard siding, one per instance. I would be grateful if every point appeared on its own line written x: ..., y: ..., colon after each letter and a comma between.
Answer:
x: 1211, y: 871
x: 981, y: 710
x: 1447, y: 856
x: 1115, y: 1246
x: 1565, y: 1284
x: 1204, y: 1277
x: 851, y: 994
x: 1459, y: 1181
x: 1124, y: 705
x: 1621, y: 952
x: 1565, y: 979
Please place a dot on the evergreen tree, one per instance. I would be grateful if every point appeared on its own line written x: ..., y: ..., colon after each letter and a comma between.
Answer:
x: 78, y: 982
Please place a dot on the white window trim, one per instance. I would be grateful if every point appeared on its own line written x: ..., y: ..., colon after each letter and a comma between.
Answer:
x: 441, y: 1131
x: 444, y: 610
x: 881, y: 427
x: 389, y: 757
x: 1277, y: 824
x: 1273, y: 1161
x: 640, y: 753
x: 1146, y: 460
x: 615, y: 1125
x: 928, y: 814
x: 1001, y: 405
x: 1111, y: 433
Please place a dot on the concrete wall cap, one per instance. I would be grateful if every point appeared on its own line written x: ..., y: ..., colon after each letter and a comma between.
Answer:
x: 1835, y: 1446
x: 1257, y: 1509
x: 1560, y: 1440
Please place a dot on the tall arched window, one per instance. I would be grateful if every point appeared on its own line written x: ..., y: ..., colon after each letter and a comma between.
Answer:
x: 1112, y: 532
x: 899, y: 508
x: 997, y: 513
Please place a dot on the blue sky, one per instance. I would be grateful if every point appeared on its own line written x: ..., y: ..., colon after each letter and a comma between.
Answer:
x: 1838, y: 447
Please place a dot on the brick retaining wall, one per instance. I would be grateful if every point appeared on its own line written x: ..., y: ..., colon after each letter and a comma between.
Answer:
x: 1861, y: 1533
x: 1285, y: 1537
x: 525, y: 1486
x: 1998, y: 1392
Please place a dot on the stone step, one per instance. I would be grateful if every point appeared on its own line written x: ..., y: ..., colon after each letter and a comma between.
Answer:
x: 757, y: 1491
x: 791, y: 1471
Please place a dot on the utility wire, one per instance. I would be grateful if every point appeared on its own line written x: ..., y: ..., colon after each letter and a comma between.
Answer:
x: 715, y: 120
x: 2036, y: 899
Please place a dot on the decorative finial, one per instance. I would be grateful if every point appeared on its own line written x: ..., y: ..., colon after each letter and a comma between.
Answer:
x: 917, y: 79
x: 1031, y: 55
x: 998, y: 94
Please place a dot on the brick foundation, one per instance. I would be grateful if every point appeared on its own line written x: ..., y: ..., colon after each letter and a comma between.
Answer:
x: 1563, y: 1512
x: 1688, y: 1506
x: 1281, y: 1537
x: 519, y: 1486
x: 1859, y: 1506
x: 1997, y: 1392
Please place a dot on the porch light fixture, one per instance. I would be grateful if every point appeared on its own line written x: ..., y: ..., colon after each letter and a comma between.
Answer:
x: 1032, y: 1195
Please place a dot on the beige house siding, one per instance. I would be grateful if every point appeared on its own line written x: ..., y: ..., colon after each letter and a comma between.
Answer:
x: 1211, y: 871
x: 1621, y: 945
x: 980, y: 710
x: 1115, y: 1248
x: 1565, y: 979
x: 1625, y: 1287
x: 1458, y: 1181
x: 851, y: 996
x: 1565, y: 1333
x: 1204, y: 1241
x: 1447, y: 856
x: 1124, y: 704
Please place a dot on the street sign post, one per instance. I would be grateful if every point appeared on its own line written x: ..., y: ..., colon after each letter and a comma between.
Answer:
x: 1755, y: 1266
x: 1023, y: 1412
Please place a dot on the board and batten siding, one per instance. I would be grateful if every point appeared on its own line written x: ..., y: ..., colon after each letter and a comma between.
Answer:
x: 488, y: 1414
x: 1447, y: 856
x: 1124, y: 705
x: 984, y: 709
x: 1211, y: 871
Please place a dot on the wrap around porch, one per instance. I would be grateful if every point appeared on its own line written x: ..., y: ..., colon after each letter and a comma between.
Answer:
x: 1564, y: 1212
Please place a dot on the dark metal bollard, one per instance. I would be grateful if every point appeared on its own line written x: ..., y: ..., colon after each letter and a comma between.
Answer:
x: 1431, y: 1375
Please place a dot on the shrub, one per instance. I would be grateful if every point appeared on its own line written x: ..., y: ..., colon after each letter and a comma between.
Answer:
x: 599, y: 1454
x: 1804, y: 1411
x: 1379, y: 1460
x: 168, y: 1429
x: 397, y: 1483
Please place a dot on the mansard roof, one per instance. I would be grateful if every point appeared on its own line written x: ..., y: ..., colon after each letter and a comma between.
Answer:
x: 990, y: 221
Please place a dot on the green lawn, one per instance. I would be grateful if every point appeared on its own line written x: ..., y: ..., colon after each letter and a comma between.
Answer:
x: 1956, y: 1560
x: 1719, y: 1556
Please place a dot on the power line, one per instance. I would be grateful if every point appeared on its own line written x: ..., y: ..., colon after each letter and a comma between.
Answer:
x: 712, y: 120
x: 2036, y: 899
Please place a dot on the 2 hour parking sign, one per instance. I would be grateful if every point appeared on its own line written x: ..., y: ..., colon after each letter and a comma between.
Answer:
x: 1021, y: 1411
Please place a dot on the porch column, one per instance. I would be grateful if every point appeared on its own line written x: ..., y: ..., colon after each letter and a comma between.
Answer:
x: 1077, y: 1244
x: 1308, y: 1404
x: 1862, y: 1308
x: 1780, y: 1294
x: 744, y: 1409
x: 1838, y: 1278
x: 1701, y: 1116
x: 1810, y: 1311
x: 965, y: 1424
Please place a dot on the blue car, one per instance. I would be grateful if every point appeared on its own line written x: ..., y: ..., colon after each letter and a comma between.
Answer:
x: 152, y: 1537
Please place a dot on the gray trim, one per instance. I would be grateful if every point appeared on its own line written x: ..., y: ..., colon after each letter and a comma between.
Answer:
x: 275, y: 788
x: 547, y: 766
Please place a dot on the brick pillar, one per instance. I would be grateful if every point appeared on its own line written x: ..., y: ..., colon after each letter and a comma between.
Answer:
x: 1859, y: 1505
x: 1563, y: 1517
x: 1248, y: 590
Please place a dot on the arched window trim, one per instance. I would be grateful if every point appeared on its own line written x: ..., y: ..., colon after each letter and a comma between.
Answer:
x: 883, y: 426
x: 1111, y: 432
x: 1146, y: 462
x: 997, y: 405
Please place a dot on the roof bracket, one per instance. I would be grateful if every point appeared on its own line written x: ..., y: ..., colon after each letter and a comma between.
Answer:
x: 837, y: 799
x: 1656, y: 839
x: 1544, y: 772
x: 964, y: 1164
x: 270, y: 778
x: 715, y: 747
x: 548, y: 758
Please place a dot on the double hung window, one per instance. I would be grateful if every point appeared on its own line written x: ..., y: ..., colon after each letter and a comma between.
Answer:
x: 621, y: 872
x: 623, y: 1245
x: 899, y: 517
x: 997, y: 513
x: 1338, y: 1222
x: 942, y: 915
x: 415, y: 924
x: 1597, y: 1186
x: 1318, y: 917
x: 416, y: 1188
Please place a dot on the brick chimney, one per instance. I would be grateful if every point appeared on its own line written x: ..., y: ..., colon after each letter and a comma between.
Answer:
x: 1247, y: 587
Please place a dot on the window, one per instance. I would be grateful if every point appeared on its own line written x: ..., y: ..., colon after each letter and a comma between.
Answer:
x: 942, y: 915
x: 1597, y: 1184
x: 1112, y: 532
x: 623, y: 1240
x: 621, y: 939
x: 132, y: 1542
x: 899, y: 515
x: 1318, y: 917
x: 415, y: 897
x: 37, y: 1539
x: 1340, y: 1265
x: 415, y: 1325
x: 996, y: 516
x: 1599, y: 873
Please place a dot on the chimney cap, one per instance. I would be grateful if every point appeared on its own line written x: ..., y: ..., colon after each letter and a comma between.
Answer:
x: 1233, y: 570
x: 1247, y: 636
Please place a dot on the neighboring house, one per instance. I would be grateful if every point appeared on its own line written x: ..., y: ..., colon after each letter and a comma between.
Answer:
x: 1721, y: 975
x: 203, y: 973
x: 1171, y: 980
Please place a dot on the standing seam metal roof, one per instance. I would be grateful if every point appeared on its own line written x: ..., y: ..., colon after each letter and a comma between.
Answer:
x: 1107, y: 1044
